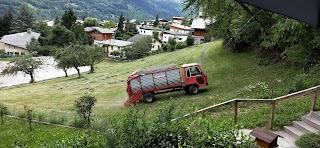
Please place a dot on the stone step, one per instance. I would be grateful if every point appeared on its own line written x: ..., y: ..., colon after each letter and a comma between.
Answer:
x: 304, y: 127
x: 294, y: 132
x: 315, y: 115
x: 311, y: 121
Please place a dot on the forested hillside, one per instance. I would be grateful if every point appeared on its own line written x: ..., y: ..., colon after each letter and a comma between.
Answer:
x: 102, y: 9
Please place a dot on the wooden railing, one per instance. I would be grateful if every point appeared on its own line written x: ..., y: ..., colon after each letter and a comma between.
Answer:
x: 273, y: 102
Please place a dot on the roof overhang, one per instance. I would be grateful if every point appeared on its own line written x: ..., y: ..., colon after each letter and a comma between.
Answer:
x: 307, y: 11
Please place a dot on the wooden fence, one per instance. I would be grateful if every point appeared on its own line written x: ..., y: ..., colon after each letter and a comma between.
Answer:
x: 273, y: 103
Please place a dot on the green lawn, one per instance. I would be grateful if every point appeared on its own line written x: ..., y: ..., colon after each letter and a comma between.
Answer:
x: 231, y: 75
x: 16, y: 133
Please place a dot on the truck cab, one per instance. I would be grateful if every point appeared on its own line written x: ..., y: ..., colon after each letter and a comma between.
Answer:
x: 193, y: 78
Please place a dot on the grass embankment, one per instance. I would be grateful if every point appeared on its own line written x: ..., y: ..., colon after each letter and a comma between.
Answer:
x: 231, y: 75
x: 15, y: 133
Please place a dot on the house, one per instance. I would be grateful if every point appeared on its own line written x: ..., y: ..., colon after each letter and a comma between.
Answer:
x: 112, y: 45
x: 16, y: 44
x: 178, y: 36
x: 156, y: 43
x: 199, y: 26
x: 99, y: 34
x: 148, y: 30
x: 177, y: 20
x: 181, y: 28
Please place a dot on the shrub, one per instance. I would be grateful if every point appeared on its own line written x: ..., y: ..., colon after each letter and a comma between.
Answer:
x: 84, y: 139
x: 3, y: 111
x: 309, y: 140
x: 181, y: 45
x: 84, y: 106
x: 165, y: 47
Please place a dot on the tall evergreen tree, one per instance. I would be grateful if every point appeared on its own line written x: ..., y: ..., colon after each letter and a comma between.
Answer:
x: 5, y: 23
x: 23, y: 20
x: 68, y: 18
x: 120, y: 24
x: 156, y: 22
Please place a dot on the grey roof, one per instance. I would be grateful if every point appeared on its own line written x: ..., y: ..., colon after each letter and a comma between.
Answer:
x: 102, y: 30
x: 176, y: 33
x: 20, y: 39
x: 137, y: 37
x: 114, y: 42
x: 182, y: 27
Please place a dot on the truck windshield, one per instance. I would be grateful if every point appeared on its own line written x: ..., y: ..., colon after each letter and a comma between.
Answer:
x: 193, y: 71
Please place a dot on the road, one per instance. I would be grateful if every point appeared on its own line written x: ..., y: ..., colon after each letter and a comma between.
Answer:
x: 47, y: 71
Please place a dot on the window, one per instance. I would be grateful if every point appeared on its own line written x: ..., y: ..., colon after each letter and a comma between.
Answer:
x: 193, y: 71
x: 180, y: 39
x: 111, y: 47
x: 152, y: 46
x: 144, y: 31
x: 141, y: 31
x: 16, y: 53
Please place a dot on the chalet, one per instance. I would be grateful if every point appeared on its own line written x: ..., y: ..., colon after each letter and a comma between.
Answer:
x: 181, y: 28
x: 178, y: 36
x: 16, y: 44
x: 156, y: 43
x: 112, y: 45
x: 99, y: 34
x: 199, y: 26
x: 177, y: 20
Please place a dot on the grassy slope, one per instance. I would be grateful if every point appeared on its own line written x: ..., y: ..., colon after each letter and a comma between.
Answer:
x: 229, y: 75
x: 17, y: 131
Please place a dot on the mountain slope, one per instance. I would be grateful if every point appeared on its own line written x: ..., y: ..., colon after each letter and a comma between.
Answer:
x: 102, y: 9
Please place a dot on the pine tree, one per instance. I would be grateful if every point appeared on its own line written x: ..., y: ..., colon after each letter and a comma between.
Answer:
x: 69, y: 18
x: 156, y: 22
x: 23, y: 20
x: 5, y: 23
x: 120, y: 23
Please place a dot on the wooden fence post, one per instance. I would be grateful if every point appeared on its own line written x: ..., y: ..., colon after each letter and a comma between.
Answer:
x: 273, y: 107
x: 314, y: 100
x: 235, y: 112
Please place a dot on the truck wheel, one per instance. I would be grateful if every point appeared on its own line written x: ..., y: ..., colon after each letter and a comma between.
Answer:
x: 148, y: 97
x: 193, y: 89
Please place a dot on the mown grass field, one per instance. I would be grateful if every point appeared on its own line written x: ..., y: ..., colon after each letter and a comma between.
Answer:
x: 231, y: 75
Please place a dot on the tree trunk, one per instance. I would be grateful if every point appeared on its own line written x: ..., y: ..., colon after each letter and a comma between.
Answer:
x: 65, y: 72
x: 78, y: 70
x: 30, y: 128
x: 91, y: 68
x: 32, y: 78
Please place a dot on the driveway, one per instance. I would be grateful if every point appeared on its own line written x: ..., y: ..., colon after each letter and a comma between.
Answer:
x: 47, y: 71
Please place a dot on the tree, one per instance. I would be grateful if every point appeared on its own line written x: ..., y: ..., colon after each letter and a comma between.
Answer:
x: 61, y: 36
x: 81, y: 37
x: 63, y: 60
x: 120, y: 24
x: 3, y: 111
x: 94, y: 56
x: 190, y: 40
x: 68, y: 18
x: 155, y: 34
x: 156, y: 22
x: 34, y: 46
x: 172, y: 43
x: 23, y: 20
x: 84, y: 106
x: 109, y: 24
x: 26, y: 65
x: 142, y: 46
x: 5, y: 23
x: 28, y: 112
x: 90, y: 22
x: 75, y: 55
x: 185, y: 21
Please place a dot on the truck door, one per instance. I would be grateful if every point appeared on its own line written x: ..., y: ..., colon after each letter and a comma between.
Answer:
x: 195, y: 76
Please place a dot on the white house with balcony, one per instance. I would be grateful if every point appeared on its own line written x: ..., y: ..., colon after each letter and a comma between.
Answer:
x: 178, y: 36
x: 113, y: 45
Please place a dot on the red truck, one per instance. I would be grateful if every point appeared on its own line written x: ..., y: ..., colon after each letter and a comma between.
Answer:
x: 144, y: 85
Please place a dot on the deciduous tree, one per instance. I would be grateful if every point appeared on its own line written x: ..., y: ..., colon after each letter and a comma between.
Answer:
x: 90, y: 22
x: 94, y: 56
x: 26, y: 65
x: 84, y: 106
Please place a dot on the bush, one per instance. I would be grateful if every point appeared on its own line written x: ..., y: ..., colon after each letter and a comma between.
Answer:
x: 181, y: 45
x: 165, y: 47
x: 309, y: 140
x: 84, y: 139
